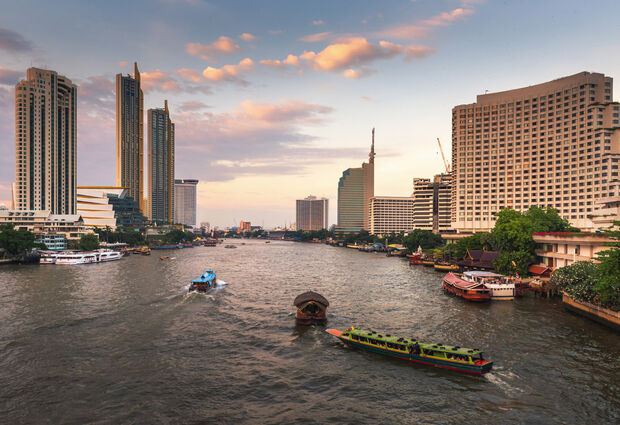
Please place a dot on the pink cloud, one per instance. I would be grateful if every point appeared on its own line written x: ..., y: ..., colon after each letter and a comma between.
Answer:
x: 190, y: 74
x: 191, y: 106
x: 446, y: 18
x: 122, y: 64
x: 318, y: 22
x: 291, y: 60
x: 223, y: 45
x: 10, y: 76
x: 159, y: 81
x: 313, y: 38
x: 229, y: 72
x: 247, y: 36
x: 418, y: 52
x: 421, y: 29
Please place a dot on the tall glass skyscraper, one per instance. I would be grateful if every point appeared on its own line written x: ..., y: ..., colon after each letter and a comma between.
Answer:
x: 355, y: 188
x: 130, y: 135
x: 185, y: 201
x: 161, y: 165
x: 45, y: 143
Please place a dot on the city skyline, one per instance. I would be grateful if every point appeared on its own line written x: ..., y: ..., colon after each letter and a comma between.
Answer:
x: 249, y: 118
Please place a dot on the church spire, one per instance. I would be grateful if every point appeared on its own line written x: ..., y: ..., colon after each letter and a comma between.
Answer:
x: 371, y: 155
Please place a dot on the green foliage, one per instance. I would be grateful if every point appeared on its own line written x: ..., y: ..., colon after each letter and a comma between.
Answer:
x: 424, y: 238
x: 509, y: 263
x: 608, y: 273
x: 88, y: 242
x: 177, y: 236
x: 311, y: 234
x: 547, y: 220
x: 577, y: 280
x: 128, y: 236
x: 16, y: 241
x: 482, y: 240
x: 447, y: 252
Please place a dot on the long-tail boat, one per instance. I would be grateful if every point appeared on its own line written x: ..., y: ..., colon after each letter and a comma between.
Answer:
x: 311, y: 308
x: 427, y: 261
x: 468, y: 360
x: 204, y: 282
x: 470, y: 290
x: 444, y: 266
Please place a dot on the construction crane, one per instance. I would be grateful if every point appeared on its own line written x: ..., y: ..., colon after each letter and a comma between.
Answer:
x: 445, y: 163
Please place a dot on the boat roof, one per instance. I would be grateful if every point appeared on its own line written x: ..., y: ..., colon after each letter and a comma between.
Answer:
x: 480, y: 273
x: 426, y: 345
x: 207, y: 276
x: 310, y: 296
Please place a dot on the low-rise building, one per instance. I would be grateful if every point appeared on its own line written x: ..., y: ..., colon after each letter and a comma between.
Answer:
x: 53, y: 241
x: 559, y: 249
x: 44, y: 223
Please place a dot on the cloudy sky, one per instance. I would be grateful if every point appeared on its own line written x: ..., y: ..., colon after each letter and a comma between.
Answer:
x: 274, y: 99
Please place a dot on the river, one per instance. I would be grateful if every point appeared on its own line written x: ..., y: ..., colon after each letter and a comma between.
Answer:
x: 123, y: 342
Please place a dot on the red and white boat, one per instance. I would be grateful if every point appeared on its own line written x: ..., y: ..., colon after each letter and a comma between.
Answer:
x: 471, y: 290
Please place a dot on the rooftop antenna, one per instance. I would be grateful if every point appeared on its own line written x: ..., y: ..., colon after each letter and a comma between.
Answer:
x: 371, y: 155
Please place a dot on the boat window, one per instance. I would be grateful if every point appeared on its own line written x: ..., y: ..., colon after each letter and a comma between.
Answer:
x: 345, y: 334
x: 355, y: 337
x: 363, y: 339
x: 381, y: 343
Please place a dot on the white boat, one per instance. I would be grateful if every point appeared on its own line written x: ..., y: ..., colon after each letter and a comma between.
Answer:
x: 98, y: 256
x: 500, y: 287
x: 48, y: 257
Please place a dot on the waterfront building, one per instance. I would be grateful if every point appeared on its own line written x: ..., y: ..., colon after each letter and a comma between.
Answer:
x: 433, y: 203
x: 312, y: 213
x: 355, y: 188
x: 41, y: 222
x: 108, y: 206
x: 161, y: 165
x: 559, y: 249
x: 45, y: 143
x: 391, y: 214
x: 130, y: 135
x: 205, y: 226
x: 53, y: 241
x: 185, y: 201
x: 554, y: 144
x: 244, y: 226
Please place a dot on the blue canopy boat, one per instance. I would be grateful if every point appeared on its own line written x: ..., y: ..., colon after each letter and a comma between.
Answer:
x: 204, y: 282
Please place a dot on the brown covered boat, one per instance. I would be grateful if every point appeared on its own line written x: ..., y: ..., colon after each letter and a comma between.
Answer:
x: 311, y: 308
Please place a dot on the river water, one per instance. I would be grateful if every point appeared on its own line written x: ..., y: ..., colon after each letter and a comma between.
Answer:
x: 124, y: 342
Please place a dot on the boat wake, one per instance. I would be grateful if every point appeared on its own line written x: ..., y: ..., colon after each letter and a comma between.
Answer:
x: 501, y: 378
x: 220, y: 282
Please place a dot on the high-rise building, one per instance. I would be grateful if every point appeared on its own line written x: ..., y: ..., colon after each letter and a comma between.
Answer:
x: 45, y: 143
x: 312, y: 213
x: 130, y: 135
x: 391, y: 214
x: 433, y: 203
x: 244, y: 226
x: 161, y: 165
x: 185, y: 201
x: 554, y: 144
x: 355, y: 188
x: 108, y: 206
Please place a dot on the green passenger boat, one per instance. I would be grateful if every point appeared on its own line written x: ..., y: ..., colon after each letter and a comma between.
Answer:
x: 468, y: 360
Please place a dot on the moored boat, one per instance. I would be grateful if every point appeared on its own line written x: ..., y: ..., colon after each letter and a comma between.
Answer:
x: 501, y: 287
x: 427, y: 261
x: 204, y: 282
x: 414, y: 259
x: 311, y: 308
x: 470, y: 290
x: 444, y: 266
x: 97, y: 256
x: 165, y: 247
x: 468, y: 360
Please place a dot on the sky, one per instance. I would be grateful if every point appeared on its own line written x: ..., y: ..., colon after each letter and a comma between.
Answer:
x: 273, y: 100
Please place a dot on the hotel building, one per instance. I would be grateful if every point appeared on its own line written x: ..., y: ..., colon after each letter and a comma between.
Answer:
x: 130, y: 135
x: 45, y: 143
x: 312, y: 213
x: 391, y: 214
x: 554, y: 144
x: 161, y: 165
x: 185, y: 201
x: 433, y: 203
x: 355, y: 188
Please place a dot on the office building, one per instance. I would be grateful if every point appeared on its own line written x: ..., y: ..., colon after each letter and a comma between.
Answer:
x: 185, y: 201
x: 161, y: 165
x: 391, y: 214
x: 108, y: 206
x: 244, y: 226
x: 355, y: 188
x: 45, y: 143
x: 433, y: 203
x: 130, y: 135
x: 312, y: 213
x: 554, y: 144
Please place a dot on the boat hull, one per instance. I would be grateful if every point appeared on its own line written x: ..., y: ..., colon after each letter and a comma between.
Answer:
x: 476, y: 369
x: 446, y: 267
x: 310, y: 319
x: 476, y: 295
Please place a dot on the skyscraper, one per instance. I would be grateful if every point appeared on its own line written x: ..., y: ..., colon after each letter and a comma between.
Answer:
x: 312, y: 213
x: 130, y: 135
x: 355, y: 188
x: 185, y: 201
x: 161, y: 165
x: 45, y: 143
x: 554, y: 144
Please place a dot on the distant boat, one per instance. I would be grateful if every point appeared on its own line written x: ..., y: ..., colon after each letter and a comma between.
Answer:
x: 230, y: 246
x: 166, y: 247
x: 164, y: 258
x: 445, y: 266
x: 204, y: 282
x: 97, y: 256
x: 311, y: 308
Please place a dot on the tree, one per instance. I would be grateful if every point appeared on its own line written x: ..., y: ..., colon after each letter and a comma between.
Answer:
x: 424, y: 238
x: 89, y: 242
x: 608, y: 272
x: 577, y: 280
x: 16, y: 241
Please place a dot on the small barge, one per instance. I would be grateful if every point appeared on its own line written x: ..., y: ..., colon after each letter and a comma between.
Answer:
x: 469, y: 360
x: 471, y: 290
x: 311, y: 308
